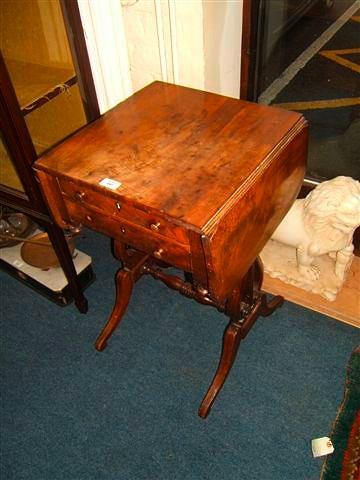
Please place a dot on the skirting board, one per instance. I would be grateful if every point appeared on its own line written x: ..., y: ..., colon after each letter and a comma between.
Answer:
x: 345, y: 308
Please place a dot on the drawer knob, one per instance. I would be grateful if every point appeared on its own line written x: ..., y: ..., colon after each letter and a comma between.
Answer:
x: 158, y: 253
x: 80, y: 196
x: 118, y: 205
x: 75, y: 229
x: 155, y: 226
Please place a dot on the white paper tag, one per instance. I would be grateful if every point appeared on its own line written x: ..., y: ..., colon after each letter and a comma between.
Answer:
x: 322, y: 446
x: 109, y: 183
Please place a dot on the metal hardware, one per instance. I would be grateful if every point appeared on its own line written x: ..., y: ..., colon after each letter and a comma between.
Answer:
x: 74, y: 229
x: 122, y: 229
x: 202, y: 290
x: 80, y: 196
x: 155, y: 226
x: 158, y: 253
x: 118, y: 205
x: 88, y: 218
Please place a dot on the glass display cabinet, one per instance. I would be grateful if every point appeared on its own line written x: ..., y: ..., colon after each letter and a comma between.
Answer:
x: 46, y: 93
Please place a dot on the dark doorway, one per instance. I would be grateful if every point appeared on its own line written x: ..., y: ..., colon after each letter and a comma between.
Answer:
x: 304, y: 55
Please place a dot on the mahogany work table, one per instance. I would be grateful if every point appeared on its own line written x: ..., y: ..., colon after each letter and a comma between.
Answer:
x: 183, y: 178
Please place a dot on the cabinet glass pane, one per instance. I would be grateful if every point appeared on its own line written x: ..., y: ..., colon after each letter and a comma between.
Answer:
x: 38, y: 57
x: 8, y: 174
x: 311, y: 63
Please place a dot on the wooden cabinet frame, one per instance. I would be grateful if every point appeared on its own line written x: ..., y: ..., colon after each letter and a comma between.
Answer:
x: 20, y: 147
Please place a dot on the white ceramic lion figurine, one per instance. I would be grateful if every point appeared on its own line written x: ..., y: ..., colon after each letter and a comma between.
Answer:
x: 323, y: 223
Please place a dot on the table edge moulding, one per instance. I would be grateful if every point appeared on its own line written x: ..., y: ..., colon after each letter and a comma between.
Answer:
x: 201, y: 183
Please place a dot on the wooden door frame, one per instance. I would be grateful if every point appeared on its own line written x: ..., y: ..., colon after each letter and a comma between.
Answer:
x: 253, y: 17
x: 104, y: 29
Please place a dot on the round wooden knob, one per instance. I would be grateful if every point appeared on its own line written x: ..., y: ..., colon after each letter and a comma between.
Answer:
x: 80, y: 196
x: 155, y: 226
x: 158, y: 253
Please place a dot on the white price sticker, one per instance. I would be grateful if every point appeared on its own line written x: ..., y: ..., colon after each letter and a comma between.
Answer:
x: 322, y: 446
x: 109, y: 183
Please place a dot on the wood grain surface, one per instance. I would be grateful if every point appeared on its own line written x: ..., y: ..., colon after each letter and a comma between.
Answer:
x: 178, y: 150
x: 205, y: 179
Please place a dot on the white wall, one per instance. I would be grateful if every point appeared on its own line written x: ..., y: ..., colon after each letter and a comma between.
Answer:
x: 142, y: 42
x: 194, y: 43
x: 107, y: 48
x: 222, y: 25
x: 188, y: 42
x: 131, y: 43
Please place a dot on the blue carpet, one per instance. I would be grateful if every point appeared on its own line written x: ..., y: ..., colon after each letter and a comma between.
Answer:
x: 130, y: 412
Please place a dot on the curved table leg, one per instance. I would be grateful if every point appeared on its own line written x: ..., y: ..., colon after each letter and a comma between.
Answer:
x: 234, y: 333
x: 267, y: 308
x: 231, y: 342
x: 245, y: 305
x: 133, y: 264
x: 124, y: 287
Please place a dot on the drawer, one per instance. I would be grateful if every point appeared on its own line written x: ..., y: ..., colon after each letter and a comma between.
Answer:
x: 123, y: 210
x: 135, y: 236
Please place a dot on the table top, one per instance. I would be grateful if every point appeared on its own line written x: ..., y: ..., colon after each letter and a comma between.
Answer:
x: 181, y: 151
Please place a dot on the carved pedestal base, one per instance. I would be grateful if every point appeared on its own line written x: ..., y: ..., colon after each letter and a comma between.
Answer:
x: 244, y: 306
x: 280, y: 261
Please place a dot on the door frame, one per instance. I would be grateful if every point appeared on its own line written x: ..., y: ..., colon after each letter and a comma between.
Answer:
x: 252, y: 25
x: 105, y: 43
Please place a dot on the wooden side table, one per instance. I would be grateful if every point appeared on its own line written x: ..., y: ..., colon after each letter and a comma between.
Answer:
x: 179, y: 177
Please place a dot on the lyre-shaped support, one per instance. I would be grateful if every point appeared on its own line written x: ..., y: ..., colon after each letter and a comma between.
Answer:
x: 245, y: 304
x: 244, y: 307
